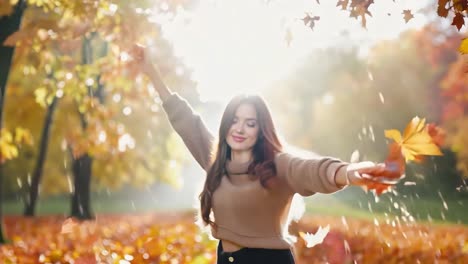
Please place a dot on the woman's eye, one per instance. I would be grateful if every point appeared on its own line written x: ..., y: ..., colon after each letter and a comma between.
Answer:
x: 252, y: 124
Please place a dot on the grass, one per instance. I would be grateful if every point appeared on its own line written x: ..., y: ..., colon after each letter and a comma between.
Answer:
x: 99, y: 204
x: 348, y: 204
x: 364, y: 206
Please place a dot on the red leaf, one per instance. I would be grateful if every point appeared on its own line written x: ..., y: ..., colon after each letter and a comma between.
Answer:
x: 458, y: 21
x: 407, y: 15
x: 441, y: 9
x: 343, y: 4
x: 310, y: 20
x: 437, y: 134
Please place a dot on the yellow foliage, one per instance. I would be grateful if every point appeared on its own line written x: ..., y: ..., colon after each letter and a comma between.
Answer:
x: 23, y: 136
x: 7, y: 151
x: 9, y: 142
x: 41, y: 95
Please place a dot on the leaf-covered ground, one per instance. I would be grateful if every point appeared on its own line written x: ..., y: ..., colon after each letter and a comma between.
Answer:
x: 173, y: 238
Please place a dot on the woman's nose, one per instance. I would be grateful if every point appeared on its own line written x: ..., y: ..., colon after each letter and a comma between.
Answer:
x: 239, y: 128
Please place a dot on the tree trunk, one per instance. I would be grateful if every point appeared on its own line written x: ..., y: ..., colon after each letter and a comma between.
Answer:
x: 80, y: 207
x: 37, y: 173
x: 82, y: 166
x: 8, y: 25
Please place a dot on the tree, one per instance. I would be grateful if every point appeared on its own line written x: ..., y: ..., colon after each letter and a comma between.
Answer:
x: 95, y: 133
x: 8, y: 24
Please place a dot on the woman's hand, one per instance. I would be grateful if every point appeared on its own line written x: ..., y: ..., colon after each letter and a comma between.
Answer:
x: 142, y: 59
x: 373, y: 176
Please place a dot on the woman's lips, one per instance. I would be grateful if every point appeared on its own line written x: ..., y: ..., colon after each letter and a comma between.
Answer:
x: 238, y: 139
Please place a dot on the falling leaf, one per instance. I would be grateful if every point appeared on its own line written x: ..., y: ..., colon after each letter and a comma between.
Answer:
x: 312, y: 240
x: 458, y: 20
x: 343, y: 4
x: 407, y: 15
x: 441, y: 8
x: 415, y: 140
x: 310, y: 20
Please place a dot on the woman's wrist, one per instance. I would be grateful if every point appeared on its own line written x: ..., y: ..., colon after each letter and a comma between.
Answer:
x: 341, y: 176
x: 158, y: 83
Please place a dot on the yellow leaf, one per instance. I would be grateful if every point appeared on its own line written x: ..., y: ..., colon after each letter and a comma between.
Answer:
x: 6, y: 136
x: 415, y: 126
x: 394, y: 134
x: 463, y: 46
x: 23, y: 136
x: 465, y: 248
x: 417, y: 141
x: 8, y: 151
x: 41, y: 95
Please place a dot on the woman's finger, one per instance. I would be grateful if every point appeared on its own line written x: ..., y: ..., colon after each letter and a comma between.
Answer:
x: 383, y: 180
x: 374, y: 169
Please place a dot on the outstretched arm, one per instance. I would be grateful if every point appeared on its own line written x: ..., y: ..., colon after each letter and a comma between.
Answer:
x: 307, y: 176
x: 188, y: 124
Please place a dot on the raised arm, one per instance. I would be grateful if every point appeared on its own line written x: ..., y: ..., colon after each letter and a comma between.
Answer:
x: 191, y: 129
x: 184, y: 120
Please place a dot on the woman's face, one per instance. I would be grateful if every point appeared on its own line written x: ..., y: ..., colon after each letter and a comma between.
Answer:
x: 243, y: 133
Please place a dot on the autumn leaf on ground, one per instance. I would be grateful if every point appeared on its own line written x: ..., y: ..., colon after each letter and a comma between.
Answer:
x: 316, y: 239
x: 407, y: 15
x: 68, y: 226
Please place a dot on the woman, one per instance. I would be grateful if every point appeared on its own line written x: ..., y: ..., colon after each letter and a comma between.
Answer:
x: 250, y: 181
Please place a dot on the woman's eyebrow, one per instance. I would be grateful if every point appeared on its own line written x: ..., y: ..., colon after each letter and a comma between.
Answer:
x: 248, y: 119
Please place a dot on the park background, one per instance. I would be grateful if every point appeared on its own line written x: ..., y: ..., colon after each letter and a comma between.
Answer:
x: 84, y: 134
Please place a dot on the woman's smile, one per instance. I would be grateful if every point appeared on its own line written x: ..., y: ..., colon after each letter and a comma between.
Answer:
x: 238, y: 139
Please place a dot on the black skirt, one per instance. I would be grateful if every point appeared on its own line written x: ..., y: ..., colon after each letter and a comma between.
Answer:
x: 255, y: 256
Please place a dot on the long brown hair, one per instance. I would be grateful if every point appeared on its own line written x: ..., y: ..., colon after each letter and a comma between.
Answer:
x: 264, y: 150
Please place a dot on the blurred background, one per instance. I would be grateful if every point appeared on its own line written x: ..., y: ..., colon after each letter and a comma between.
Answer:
x: 84, y: 134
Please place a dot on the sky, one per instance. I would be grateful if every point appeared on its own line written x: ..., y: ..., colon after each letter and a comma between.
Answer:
x: 240, y: 46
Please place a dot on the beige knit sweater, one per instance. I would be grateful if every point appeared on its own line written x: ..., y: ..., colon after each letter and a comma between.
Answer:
x: 245, y: 212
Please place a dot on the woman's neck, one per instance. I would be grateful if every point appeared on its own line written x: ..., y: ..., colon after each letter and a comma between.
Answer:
x: 241, y: 156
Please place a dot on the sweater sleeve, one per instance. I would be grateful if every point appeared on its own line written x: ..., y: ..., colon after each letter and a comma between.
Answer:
x: 190, y: 128
x: 309, y: 176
